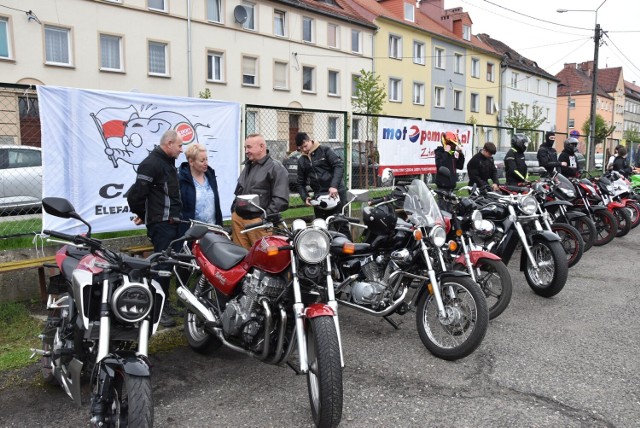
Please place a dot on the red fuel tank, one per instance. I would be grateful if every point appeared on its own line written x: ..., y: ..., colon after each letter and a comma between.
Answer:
x: 259, y: 258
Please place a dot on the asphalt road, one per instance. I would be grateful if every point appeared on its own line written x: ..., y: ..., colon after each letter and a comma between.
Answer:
x: 568, y: 361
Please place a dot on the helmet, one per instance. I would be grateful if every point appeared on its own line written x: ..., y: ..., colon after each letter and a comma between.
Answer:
x: 519, y: 142
x: 571, y: 144
x: 325, y: 202
x: 449, y: 138
x: 380, y: 220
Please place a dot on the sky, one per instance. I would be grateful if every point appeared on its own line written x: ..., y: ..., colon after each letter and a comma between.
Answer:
x: 538, y: 32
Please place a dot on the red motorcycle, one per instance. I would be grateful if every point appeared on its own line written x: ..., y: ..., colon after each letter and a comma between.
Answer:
x: 270, y: 301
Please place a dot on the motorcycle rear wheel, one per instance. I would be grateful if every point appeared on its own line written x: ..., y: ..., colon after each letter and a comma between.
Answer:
x: 131, y: 402
x: 199, y: 339
x: 587, y: 229
x: 571, y: 241
x: 606, y: 225
x: 634, y: 211
x: 462, y: 331
x: 551, y: 276
x: 494, y: 280
x: 324, y: 378
x: 624, y: 221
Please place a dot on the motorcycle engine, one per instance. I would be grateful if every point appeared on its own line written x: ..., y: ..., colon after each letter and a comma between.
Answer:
x: 371, y: 291
x: 242, y: 316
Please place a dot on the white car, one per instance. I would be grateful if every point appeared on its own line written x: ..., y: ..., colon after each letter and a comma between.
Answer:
x: 20, y: 178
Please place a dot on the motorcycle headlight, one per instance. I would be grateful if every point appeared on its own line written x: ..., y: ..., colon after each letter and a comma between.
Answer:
x: 476, y: 219
x: 485, y: 228
x: 438, y: 236
x: 528, y: 204
x: 569, y: 193
x: 132, y: 301
x: 312, y: 245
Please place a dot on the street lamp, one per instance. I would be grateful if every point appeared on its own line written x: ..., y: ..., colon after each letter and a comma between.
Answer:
x: 591, y: 153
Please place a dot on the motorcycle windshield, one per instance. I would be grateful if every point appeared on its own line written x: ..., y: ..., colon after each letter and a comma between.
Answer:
x: 421, y: 205
x: 564, y: 183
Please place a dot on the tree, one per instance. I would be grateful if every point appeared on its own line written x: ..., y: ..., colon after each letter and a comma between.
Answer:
x: 205, y: 94
x: 519, y: 120
x: 632, y: 135
x: 602, y: 130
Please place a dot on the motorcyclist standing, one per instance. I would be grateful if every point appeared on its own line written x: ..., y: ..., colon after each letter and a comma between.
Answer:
x: 568, y: 156
x: 451, y: 157
x: 547, y: 155
x: 481, y: 168
x: 515, y: 167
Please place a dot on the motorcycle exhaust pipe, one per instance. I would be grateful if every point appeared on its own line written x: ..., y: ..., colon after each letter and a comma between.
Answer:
x: 193, y: 304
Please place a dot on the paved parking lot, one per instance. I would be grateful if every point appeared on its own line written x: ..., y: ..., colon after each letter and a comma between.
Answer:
x: 568, y: 361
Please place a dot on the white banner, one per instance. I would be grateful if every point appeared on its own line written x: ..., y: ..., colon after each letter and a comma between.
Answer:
x: 407, y: 146
x: 93, y: 141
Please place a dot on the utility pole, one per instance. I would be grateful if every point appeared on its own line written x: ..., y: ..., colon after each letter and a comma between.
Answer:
x: 568, y: 111
x: 594, y: 96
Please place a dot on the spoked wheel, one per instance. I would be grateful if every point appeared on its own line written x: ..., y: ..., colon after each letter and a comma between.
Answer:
x: 49, y: 335
x: 324, y: 378
x: 464, y: 325
x: 587, y: 229
x: 624, y: 221
x: 571, y: 241
x: 633, y: 208
x: 606, y: 225
x: 130, y: 403
x: 551, y: 275
x: 494, y: 280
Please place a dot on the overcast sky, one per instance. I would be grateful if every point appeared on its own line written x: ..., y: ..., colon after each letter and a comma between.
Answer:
x: 529, y: 27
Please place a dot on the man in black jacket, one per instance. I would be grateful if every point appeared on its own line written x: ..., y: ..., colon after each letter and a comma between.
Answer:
x: 323, y: 169
x: 451, y: 157
x: 515, y: 167
x: 568, y: 156
x: 155, y: 199
x: 481, y: 168
x: 547, y: 155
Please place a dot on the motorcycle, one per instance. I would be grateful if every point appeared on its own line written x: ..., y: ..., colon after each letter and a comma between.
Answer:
x: 485, y: 268
x: 598, y: 194
x: 268, y: 301
x: 512, y: 219
x: 103, y: 308
x: 403, y: 256
x: 618, y: 189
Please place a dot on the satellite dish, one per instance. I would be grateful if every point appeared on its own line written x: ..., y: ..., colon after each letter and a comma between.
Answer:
x: 240, y: 14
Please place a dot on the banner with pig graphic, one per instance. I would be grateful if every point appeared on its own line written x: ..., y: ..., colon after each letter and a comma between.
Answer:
x: 93, y: 142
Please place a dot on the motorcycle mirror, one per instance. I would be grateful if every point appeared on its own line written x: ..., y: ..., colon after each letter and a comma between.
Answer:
x: 444, y: 171
x: 387, y: 177
x: 60, y: 207
x: 358, y: 195
x: 252, y: 199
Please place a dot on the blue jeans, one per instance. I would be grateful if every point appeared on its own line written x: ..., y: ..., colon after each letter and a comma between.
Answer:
x: 161, y: 234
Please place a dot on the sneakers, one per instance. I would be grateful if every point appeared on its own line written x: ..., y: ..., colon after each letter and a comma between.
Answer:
x: 171, y: 310
x: 166, y: 320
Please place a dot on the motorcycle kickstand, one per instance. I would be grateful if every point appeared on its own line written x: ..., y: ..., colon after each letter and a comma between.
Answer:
x: 394, y: 323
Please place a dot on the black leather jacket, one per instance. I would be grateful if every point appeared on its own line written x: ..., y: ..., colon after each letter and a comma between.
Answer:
x: 481, y: 169
x: 548, y: 158
x: 450, y: 162
x: 323, y: 168
x: 514, y: 163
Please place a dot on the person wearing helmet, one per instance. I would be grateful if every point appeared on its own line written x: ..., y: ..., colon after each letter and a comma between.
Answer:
x: 451, y: 157
x: 568, y: 156
x: 515, y: 167
x: 547, y: 155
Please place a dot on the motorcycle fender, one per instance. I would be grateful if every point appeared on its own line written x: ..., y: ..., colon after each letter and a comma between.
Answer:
x: 597, y: 207
x: 476, y: 255
x: 536, y: 236
x: 613, y: 205
x: 440, y: 277
x: 318, y: 310
x: 572, y: 215
x: 136, y: 365
x: 555, y: 203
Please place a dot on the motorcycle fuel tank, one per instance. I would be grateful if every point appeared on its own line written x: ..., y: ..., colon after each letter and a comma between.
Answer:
x: 259, y: 258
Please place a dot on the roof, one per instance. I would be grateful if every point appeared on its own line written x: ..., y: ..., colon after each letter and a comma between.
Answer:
x: 631, y: 90
x: 514, y: 60
x: 336, y: 9
x: 608, y: 78
x: 577, y: 82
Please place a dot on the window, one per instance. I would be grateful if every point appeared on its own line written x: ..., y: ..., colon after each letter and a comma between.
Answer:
x: 475, y: 68
x: 57, y: 45
x: 334, y: 82
x: 280, y: 75
x: 457, y: 99
x: 572, y: 103
x: 279, y: 23
x: 418, y: 93
x: 466, y: 32
x: 438, y: 97
x: 110, y: 53
x: 333, y: 128
x: 488, y: 136
x: 489, y: 106
x: 458, y: 63
x: 395, y: 46
x: 409, y: 12
x: 250, y: 23
x: 158, y: 59
x: 215, y: 66
x: 548, y: 89
x: 307, y: 29
x: 572, y: 123
x: 252, y: 122
x: 308, y: 79
x: 418, y: 52
x: 491, y: 77
x: 395, y: 89
x: 514, y: 80
x: 355, y: 129
x: 333, y: 35
x: 249, y: 71
x: 356, y: 41
x: 157, y: 5
x: 354, y: 85
x: 214, y: 11
x: 438, y: 59
x: 538, y: 86
x: 475, y: 103
x: 5, y: 42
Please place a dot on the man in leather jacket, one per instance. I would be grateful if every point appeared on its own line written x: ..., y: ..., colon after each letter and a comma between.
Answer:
x: 481, y: 168
x: 568, y: 156
x: 450, y: 156
x: 515, y: 167
x: 155, y: 199
x: 547, y: 155
x: 264, y: 176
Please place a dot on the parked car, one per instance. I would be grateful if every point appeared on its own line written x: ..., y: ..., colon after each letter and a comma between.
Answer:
x: 533, y: 166
x: 598, y: 160
x: 498, y: 161
x: 20, y: 178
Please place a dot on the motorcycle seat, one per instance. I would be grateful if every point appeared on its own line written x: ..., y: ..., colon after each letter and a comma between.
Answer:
x: 222, y: 252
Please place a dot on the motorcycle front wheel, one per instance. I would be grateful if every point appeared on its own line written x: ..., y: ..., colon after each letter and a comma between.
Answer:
x: 606, y: 225
x: 551, y: 275
x: 464, y: 325
x: 571, y: 241
x: 324, y: 378
x: 624, y: 221
x: 494, y: 280
x: 131, y: 403
x: 48, y: 335
x: 633, y: 208
x: 587, y: 229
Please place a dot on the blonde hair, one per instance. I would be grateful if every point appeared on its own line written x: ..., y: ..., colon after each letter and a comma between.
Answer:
x: 193, y: 150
